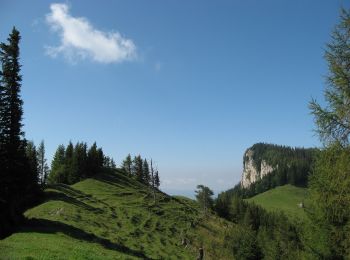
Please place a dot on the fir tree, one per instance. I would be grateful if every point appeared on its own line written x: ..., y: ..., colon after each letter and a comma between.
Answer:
x: 137, y: 168
x: 31, y: 154
x: 146, y: 173
x: 204, y: 197
x: 126, y: 164
x: 57, y: 174
x: 18, y: 186
x: 43, y: 168
x: 156, y: 180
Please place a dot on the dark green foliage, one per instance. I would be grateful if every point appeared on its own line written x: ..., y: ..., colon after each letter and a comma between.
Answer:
x: 31, y: 154
x: 43, y: 168
x: 109, y: 163
x: 18, y: 178
x: 260, y: 234
x: 330, y: 181
x: 204, y: 197
x: 75, y: 163
x: 330, y: 194
x: 146, y: 172
x: 156, y: 180
x: 57, y: 174
x: 127, y: 164
x: 137, y: 168
x: 333, y: 121
x: 93, y: 160
x: 242, y: 242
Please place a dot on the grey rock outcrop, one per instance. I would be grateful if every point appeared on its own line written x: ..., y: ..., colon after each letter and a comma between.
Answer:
x: 251, y: 173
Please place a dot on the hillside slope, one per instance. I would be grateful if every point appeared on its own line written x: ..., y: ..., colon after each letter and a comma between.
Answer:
x: 114, y: 217
x: 283, y: 198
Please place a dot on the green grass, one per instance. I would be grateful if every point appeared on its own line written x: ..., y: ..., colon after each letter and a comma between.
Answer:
x: 283, y: 198
x: 114, y: 217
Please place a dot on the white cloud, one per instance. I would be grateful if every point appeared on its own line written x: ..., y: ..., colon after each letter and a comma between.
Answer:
x: 80, y: 40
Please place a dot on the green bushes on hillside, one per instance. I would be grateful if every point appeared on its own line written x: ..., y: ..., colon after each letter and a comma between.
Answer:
x: 258, y: 233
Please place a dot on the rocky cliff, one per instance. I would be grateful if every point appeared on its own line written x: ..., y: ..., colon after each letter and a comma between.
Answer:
x: 252, y: 171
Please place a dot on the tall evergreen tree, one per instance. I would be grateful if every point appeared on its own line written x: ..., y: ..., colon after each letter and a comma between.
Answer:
x: 43, y: 168
x: 156, y: 180
x: 204, y: 197
x: 126, y: 164
x: 113, y: 165
x: 137, y: 168
x: 18, y: 186
x: 57, y: 174
x: 69, y: 166
x: 146, y: 173
x: 31, y: 154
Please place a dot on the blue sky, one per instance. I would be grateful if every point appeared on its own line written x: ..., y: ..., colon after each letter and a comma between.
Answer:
x: 191, y: 84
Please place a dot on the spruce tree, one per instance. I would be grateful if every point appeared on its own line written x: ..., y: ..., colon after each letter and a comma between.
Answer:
x: 57, y: 174
x: 126, y: 165
x: 146, y: 173
x: 69, y: 166
x: 32, y: 158
x: 156, y: 180
x: 204, y: 197
x: 43, y: 168
x: 137, y: 168
x: 18, y: 186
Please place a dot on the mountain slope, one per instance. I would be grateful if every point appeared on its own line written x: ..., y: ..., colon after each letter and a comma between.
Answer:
x: 283, y: 198
x: 112, y: 216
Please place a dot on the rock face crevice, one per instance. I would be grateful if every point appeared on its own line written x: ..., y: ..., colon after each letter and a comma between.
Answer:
x: 251, y: 171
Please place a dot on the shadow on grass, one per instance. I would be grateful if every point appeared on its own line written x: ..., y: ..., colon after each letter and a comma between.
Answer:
x: 51, y: 227
x: 118, y: 179
x: 53, y: 195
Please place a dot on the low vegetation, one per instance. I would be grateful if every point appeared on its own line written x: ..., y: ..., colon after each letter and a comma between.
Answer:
x: 288, y: 199
x: 111, y: 216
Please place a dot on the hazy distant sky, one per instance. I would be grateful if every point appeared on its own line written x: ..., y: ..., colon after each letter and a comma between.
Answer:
x: 191, y: 84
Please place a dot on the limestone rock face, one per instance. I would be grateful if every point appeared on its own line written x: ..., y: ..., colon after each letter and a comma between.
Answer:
x: 251, y: 173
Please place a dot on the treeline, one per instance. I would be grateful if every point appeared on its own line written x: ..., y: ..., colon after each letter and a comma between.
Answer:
x: 19, y: 181
x: 291, y: 166
x: 74, y: 163
x: 77, y: 162
x: 259, y: 234
x: 141, y: 170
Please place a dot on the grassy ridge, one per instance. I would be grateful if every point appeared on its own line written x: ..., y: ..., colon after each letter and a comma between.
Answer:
x: 114, y: 217
x: 283, y: 198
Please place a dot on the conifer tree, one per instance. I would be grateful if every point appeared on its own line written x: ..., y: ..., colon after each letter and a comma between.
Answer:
x: 330, y: 181
x: 113, y: 165
x: 332, y: 121
x: 92, y: 160
x: 57, y: 174
x: 156, y: 180
x: 204, y: 197
x: 43, y: 168
x: 146, y: 173
x: 18, y: 186
x: 127, y: 165
x: 31, y: 154
x: 69, y: 166
x: 137, y: 168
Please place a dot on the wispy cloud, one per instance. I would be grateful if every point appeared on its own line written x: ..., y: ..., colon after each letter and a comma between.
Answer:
x: 80, y: 40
